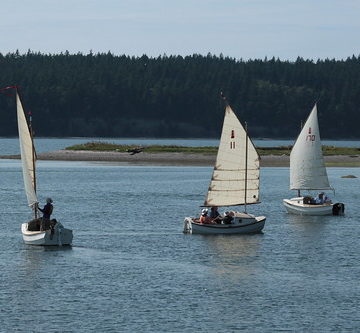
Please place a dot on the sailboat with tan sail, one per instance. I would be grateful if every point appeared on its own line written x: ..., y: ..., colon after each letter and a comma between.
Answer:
x: 235, y: 181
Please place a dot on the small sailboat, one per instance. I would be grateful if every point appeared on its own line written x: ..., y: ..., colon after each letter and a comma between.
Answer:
x: 308, y: 172
x: 235, y: 181
x: 54, y: 233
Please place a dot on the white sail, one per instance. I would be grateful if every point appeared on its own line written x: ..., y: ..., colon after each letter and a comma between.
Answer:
x: 236, y: 170
x: 307, y: 167
x: 27, y: 154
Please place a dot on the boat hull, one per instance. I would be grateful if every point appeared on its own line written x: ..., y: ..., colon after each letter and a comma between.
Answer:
x: 60, y: 236
x: 296, y: 206
x: 251, y: 225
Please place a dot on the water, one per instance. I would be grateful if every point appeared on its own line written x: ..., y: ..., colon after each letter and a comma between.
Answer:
x: 10, y: 146
x: 131, y: 269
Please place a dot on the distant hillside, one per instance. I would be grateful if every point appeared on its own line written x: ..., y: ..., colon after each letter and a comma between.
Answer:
x: 174, y: 96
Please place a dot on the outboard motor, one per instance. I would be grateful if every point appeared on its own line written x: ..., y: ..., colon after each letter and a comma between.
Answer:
x: 338, y: 209
x: 187, y: 226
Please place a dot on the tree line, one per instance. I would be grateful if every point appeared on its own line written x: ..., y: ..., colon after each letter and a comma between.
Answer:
x: 106, y: 95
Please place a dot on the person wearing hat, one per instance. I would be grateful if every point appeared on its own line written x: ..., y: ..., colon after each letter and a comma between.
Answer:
x: 47, y: 211
x: 204, y: 218
x: 319, y: 200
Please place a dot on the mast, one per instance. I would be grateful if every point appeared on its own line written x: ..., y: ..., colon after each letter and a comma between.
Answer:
x: 246, y: 164
x: 301, y: 126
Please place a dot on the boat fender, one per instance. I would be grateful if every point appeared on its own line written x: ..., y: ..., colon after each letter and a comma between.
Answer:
x: 338, y: 209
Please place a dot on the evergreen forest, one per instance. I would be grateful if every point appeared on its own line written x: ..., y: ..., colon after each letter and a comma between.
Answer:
x: 105, y: 95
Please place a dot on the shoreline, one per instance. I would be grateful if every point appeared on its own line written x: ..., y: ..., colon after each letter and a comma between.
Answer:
x: 175, y: 159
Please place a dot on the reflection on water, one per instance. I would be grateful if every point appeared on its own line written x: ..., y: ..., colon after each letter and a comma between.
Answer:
x: 308, y: 223
x: 36, y: 258
x: 233, y: 245
x: 233, y: 254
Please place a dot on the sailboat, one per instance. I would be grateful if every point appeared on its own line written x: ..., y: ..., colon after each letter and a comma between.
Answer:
x: 235, y: 181
x: 55, y: 233
x: 308, y: 172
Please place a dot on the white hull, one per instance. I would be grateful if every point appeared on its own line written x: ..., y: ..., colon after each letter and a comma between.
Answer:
x: 242, y: 224
x: 296, y: 206
x: 60, y: 236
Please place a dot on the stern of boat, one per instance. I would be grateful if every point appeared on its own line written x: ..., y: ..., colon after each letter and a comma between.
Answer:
x: 65, y: 235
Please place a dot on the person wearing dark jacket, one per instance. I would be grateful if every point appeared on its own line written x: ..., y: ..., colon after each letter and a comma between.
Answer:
x: 215, y: 215
x: 47, y: 211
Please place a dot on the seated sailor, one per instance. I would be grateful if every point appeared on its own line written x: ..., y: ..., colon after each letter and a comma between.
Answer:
x: 228, y: 218
x: 215, y: 215
x: 204, y: 218
x: 327, y: 199
x: 320, y: 199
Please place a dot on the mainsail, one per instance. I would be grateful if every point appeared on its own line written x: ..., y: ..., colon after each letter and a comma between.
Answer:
x: 27, y: 154
x: 307, y: 167
x: 235, y: 179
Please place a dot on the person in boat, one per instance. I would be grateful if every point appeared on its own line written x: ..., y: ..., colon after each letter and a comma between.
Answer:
x: 215, y: 215
x: 227, y: 218
x: 319, y: 200
x: 204, y: 218
x: 47, y: 211
x: 322, y: 198
x: 327, y: 199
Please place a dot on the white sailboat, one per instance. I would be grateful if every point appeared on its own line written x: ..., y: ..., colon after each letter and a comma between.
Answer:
x: 55, y: 234
x: 308, y: 172
x: 235, y: 181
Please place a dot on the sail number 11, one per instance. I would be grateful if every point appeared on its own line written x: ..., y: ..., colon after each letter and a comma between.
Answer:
x: 310, y: 137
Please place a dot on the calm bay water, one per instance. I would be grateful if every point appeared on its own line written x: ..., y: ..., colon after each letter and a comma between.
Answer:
x: 131, y: 269
x: 10, y: 146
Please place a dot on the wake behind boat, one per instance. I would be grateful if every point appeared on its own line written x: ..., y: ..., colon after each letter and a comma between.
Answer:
x: 308, y: 172
x: 235, y: 181
x: 40, y: 231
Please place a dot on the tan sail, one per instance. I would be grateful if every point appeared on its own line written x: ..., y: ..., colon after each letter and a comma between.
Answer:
x: 235, y: 179
x: 27, y: 154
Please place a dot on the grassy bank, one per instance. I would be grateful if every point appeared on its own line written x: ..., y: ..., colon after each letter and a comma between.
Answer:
x: 263, y: 151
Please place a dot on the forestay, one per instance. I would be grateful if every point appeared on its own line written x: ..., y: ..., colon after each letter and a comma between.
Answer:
x: 236, y: 171
x: 27, y: 154
x: 307, y: 167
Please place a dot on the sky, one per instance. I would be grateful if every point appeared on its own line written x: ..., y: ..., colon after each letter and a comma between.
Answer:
x: 241, y: 29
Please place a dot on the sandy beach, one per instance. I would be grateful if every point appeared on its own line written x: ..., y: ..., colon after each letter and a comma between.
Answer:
x: 174, y: 159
